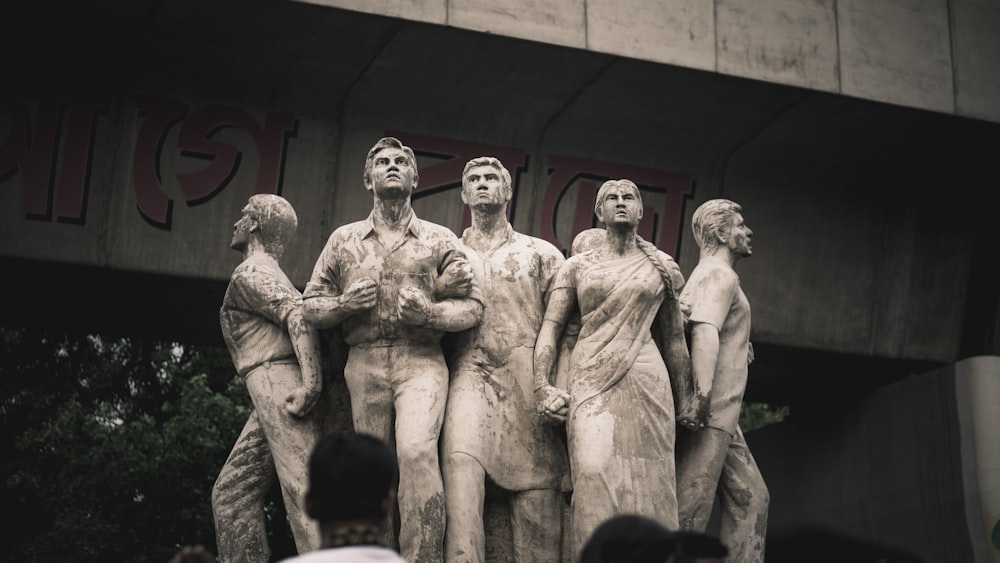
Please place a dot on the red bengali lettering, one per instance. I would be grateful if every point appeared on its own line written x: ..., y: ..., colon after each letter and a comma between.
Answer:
x: 33, y: 151
x: 151, y: 200
x: 56, y: 176
x: 454, y: 154
x: 659, y: 226
x: 73, y: 185
x: 15, y: 149
x: 196, y: 140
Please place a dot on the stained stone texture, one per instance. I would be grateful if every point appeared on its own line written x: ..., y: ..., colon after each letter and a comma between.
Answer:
x: 680, y: 32
x: 927, y: 54
x: 277, y: 356
x: 785, y: 41
x: 976, y: 57
x: 560, y: 22
x: 896, y: 51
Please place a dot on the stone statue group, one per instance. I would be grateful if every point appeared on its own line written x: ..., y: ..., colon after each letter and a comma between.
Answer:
x: 467, y: 355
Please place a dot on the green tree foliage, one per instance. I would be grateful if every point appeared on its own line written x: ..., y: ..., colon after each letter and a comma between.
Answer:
x: 758, y: 415
x: 111, y: 445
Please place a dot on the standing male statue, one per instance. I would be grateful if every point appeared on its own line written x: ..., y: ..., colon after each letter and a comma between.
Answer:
x: 491, y: 425
x: 717, y: 455
x: 277, y: 354
x: 376, y: 279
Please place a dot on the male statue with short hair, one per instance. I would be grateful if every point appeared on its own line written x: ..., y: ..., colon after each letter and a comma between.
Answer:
x: 375, y: 278
x: 716, y: 456
x: 277, y: 355
x: 492, y: 429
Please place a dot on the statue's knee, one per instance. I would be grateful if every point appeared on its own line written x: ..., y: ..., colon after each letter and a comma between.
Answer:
x: 419, y: 456
x: 458, y: 463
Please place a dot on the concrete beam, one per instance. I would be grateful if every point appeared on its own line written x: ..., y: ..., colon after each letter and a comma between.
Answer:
x: 939, y: 55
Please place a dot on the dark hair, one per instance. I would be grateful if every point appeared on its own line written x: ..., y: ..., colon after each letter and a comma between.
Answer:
x: 350, y: 474
x: 695, y: 545
x: 628, y: 538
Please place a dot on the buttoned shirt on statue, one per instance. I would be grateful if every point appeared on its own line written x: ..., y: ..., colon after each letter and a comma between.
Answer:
x: 354, y: 252
x: 254, y: 312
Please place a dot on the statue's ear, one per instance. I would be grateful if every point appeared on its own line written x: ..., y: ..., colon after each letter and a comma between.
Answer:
x: 721, y: 234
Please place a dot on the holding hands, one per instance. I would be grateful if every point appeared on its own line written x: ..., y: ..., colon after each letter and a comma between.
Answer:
x: 693, y: 413
x: 552, y: 402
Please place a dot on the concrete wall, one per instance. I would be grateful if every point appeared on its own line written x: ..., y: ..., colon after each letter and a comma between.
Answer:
x: 939, y: 55
x: 911, y: 468
x: 136, y: 153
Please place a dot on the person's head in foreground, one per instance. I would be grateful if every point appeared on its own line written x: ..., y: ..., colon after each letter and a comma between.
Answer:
x: 351, y: 489
x: 697, y: 547
x: 629, y: 538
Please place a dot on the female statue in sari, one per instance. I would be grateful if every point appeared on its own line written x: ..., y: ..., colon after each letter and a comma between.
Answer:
x: 619, y: 406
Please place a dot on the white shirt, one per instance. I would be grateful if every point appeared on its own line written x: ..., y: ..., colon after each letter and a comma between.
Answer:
x: 349, y: 554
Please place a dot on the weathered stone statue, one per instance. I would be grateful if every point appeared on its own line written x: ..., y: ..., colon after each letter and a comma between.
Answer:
x: 587, y: 240
x: 619, y: 406
x: 491, y: 426
x: 376, y: 279
x: 277, y: 354
x: 717, y: 455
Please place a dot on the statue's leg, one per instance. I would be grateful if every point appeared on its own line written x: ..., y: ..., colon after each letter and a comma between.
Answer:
x: 700, y: 457
x: 744, y: 500
x: 291, y: 440
x: 371, y: 396
x: 238, y: 498
x: 420, y: 402
x: 465, y: 494
x: 536, y: 520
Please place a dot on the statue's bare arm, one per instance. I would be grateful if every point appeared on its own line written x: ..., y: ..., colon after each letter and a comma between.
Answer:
x: 305, y: 342
x: 704, y: 357
x: 552, y: 401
